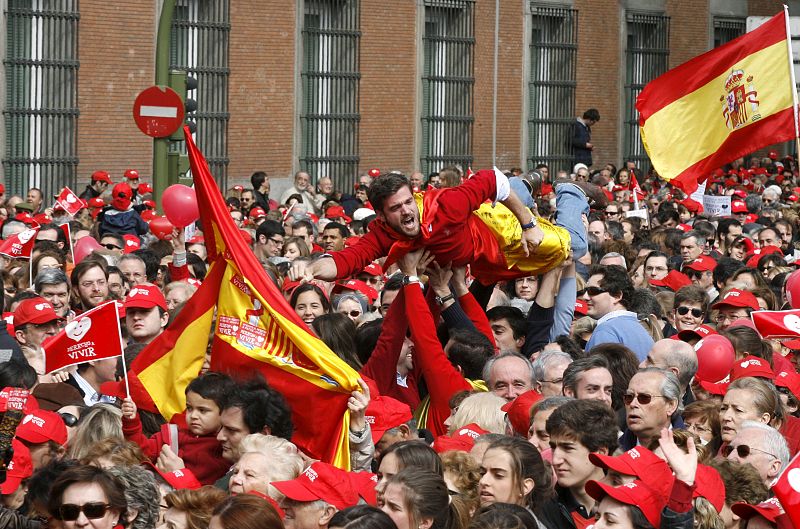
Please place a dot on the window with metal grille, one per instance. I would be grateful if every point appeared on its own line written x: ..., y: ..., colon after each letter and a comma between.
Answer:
x: 447, y: 84
x: 199, y: 45
x: 330, y: 75
x: 551, y: 87
x: 646, y: 57
x: 726, y: 29
x: 41, y: 107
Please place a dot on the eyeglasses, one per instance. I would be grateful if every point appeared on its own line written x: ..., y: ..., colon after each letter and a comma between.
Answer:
x: 554, y: 381
x: 276, y: 242
x: 612, y: 212
x: 111, y: 246
x: 69, y: 419
x: 691, y: 274
x: 683, y: 311
x: 743, y: 451
x: 353, y: 313
x: 643, y: 398
x: 70, y: 512
x: 595, y: 291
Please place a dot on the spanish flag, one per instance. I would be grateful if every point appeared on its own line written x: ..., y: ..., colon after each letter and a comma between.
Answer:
x: 721, y: 105
x: 252, y: 330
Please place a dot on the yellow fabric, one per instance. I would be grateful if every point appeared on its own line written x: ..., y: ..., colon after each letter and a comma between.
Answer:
x: 671, y: 134
x: 421, y: 413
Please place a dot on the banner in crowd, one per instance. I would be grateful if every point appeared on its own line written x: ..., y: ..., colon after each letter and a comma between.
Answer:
x: 777, y: 323
x: 90, y: 336
x: 19, y: 245
x: 720, y: 106
x: 70, y: 202
x: 787, y: 490
x: 254, y: 331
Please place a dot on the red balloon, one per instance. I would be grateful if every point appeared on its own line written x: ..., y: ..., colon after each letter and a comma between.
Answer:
x: 793, y: 289
x: 83, y: 247
x: 715, y: 357
x: 180, y: 205
x: 161, y: 228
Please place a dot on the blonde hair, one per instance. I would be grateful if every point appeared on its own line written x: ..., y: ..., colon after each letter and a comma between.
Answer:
x: 482, y: 409
x: 119, y: 452
x: 98, y: 423
x: 466, y: 474
x: 285, y: 460
x: 764, y: 396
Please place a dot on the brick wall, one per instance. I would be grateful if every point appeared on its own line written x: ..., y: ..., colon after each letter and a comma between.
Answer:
x: 688, y: 30
x: 117, y: 61
x: 262, y: 87
x: 599, y: 74
x: 765, y: 8
x: 389, y: 81
x: 510, y: 94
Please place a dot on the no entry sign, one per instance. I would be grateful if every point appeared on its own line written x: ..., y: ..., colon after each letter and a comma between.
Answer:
x: 158, y: 111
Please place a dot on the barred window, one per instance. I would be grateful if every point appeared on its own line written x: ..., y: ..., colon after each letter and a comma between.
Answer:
x: 41, y: 107
x: 646, y: 57
x: 330, y: 116
x: 726, y: 29
x: 551, y: 87
x: 200, y: 45
x: 447, y: 84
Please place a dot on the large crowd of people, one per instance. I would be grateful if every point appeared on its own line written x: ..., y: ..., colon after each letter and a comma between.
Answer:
x: 529, y: 347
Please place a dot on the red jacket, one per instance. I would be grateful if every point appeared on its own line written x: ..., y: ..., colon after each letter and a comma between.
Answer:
x: 202, y: 454
x: 382, y: 364
x: 442, y: 378
x: 456, y: 235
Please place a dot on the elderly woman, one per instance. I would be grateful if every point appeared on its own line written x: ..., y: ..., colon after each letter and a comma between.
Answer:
x: 354, y: 305
x: 264, y: 459
x: 141, y: 494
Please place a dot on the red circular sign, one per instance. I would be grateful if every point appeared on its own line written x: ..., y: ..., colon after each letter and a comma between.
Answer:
x: 158, y: 111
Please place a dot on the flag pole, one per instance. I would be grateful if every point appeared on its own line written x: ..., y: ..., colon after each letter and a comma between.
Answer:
x: 791, y: 75
x: 122, y: 346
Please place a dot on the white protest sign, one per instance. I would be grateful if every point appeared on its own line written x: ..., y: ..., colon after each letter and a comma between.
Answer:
x: 717, y: 206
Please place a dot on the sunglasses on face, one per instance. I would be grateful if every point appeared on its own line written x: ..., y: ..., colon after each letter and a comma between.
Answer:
x: 354, y: 313
x: 69, y: 419
x: 743, y: 451
x: 595, y: 291
x: 70, y: 512
x: 683, y: 311
x: 643, y: 398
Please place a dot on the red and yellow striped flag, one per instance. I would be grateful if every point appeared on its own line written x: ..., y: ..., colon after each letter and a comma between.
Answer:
x: 720, y: 106
x: 254, y: 331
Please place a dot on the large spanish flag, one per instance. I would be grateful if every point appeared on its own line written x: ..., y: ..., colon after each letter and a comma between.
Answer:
x: 253, y: 330
x: 720, y: 106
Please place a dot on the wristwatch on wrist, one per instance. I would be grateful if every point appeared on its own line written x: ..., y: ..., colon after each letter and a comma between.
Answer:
x: 532, y: 224
x: 410, y: 279
x: 444, y: 299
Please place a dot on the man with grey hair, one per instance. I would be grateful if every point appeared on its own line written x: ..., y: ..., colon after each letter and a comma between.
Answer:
x: 762, y: 446
x: 589, y: 378
x: 548, y: 372
x: 52, y: 284
x: 12, y: 227
x: 676, y: 356
x: 508, y: 375
x: 614, y: 258
x: 693, y: 244
x: 771, y: 196
x: 652, y: 403
x: 133, y: 268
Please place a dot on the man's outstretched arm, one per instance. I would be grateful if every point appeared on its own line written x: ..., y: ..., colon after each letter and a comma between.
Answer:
x: 323, y: 268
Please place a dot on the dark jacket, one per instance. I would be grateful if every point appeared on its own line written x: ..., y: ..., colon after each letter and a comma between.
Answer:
x: 126, y: 222
x: 9, y: 348
x: 89, y: 193
x: 628, y: 439
x: 581, y: 135
x: 556, y: 513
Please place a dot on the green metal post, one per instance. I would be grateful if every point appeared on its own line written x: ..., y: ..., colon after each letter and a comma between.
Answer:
x: 161, y: 145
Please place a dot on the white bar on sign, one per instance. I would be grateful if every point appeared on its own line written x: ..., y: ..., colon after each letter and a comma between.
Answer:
x: 158, y: 112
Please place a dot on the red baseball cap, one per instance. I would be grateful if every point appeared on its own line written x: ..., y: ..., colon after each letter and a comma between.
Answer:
x: 197, y: 239
x: 257, y: 213
x: 751, y: 366
x: 145, y: 297
x: 771, y: 509
x: 177, y: 479
x: 148, y: 215
x: 20, y: 468
x: 635, y: 493
x: 131, y: 174
x: 639, y: 462
x: 365, y: 483
x: 738, y: 206
x: 41, y: 426
x: 374, y: 172
x: 358, y: 286
x: 463, y: 439
x: 761, y: 252
x: 581, y: 307
x: 373, y: 269
x: 789, y: 380
x: 34, y: 310
x: 321, y: 481
x: 519, y: 410
x: 121, y: 196
x: 335, y: 212
x: 703, y: 263
x: 674, y: 280
x: 101, y: 176
x: 384, y: 413
x: 737, y: 298
x: 700, y: 332
x: 772, y: 155
x: 96, y: 202
x: 144, y: 188
x: 709, y: 485
x: 132, y: 243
